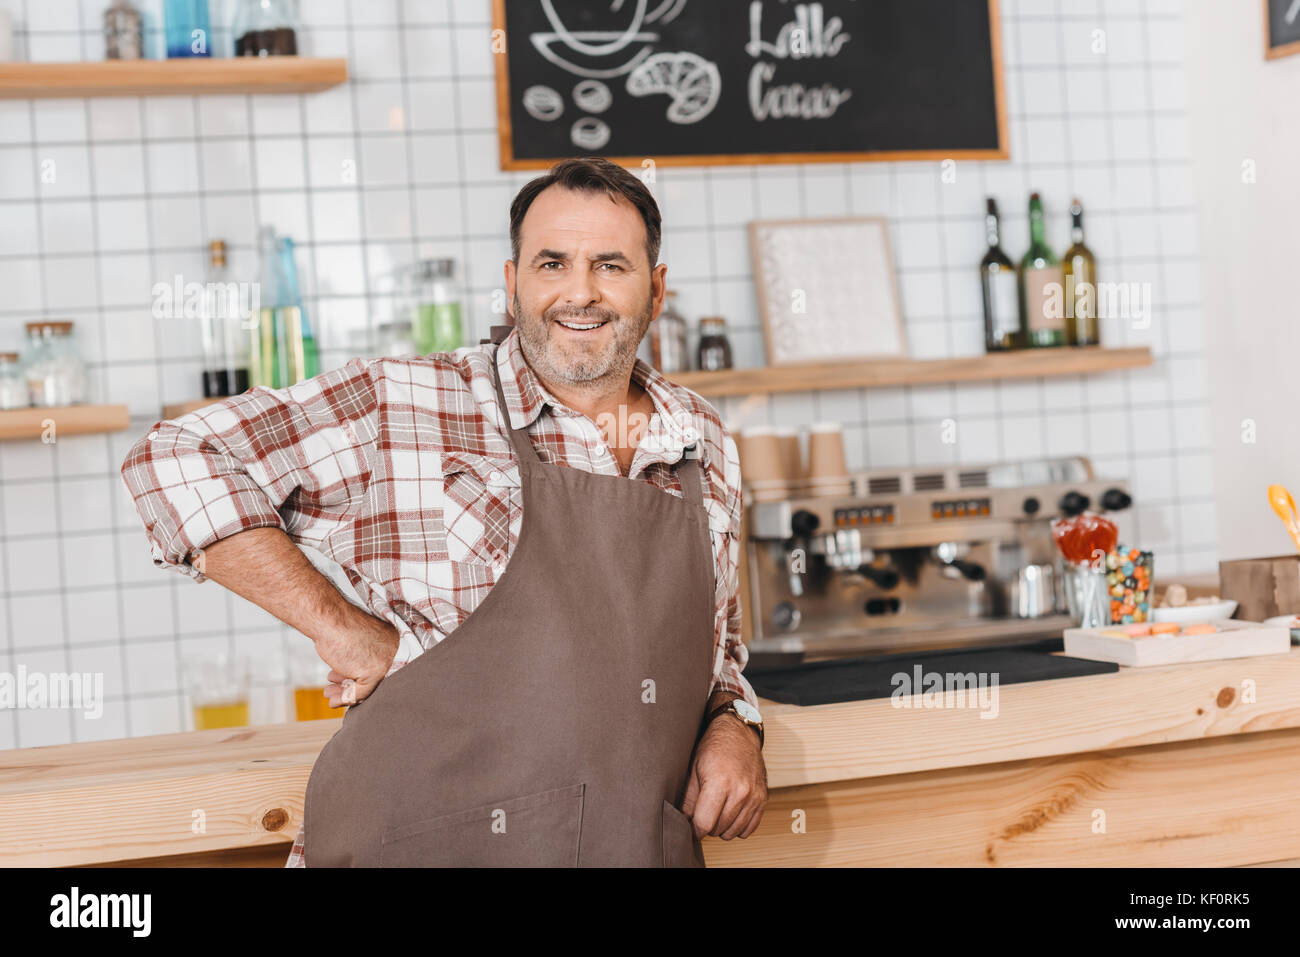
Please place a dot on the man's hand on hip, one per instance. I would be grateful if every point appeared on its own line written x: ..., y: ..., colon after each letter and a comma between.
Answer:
x: 266, y: 567
x: 727, y: 789
x: 358, y: 657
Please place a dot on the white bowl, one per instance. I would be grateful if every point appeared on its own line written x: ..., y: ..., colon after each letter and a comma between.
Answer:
x: 1192, y: 614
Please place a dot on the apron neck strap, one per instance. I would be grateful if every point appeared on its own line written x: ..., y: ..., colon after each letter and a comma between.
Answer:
x: 689, y: 474
x: 523, y: 445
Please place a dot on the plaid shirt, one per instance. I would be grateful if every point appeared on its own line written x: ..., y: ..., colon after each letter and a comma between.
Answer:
x: 401, y: 472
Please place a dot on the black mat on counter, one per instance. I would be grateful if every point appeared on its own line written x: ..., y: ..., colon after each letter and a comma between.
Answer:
x: 857, y: 679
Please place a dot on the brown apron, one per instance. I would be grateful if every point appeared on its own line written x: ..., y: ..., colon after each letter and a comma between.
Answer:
x: 556, y: 725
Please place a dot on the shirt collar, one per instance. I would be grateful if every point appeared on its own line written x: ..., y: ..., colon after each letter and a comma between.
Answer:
x: 671, y: 431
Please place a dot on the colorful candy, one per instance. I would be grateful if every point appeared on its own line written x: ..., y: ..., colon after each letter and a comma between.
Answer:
x: 1128, y: 580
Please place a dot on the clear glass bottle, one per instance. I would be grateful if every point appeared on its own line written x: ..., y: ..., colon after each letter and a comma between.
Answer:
x: 13, y: 387
x: 436, y: 324
x: 714, y: 349
x: 188, y: 28
x: 264, y: 362
x: 396, y: 340
x: 52, y: 364
x: 225, y: 347
x: 265, y: 28
x: 123, y: 36
x: 667, y: 334
x: 299, y: 358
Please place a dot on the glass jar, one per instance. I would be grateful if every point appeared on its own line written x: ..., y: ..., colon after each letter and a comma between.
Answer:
x: 395, y: 339
x: 714, y: 350
x: 265, y: 28
x: 52, y: 363
x: 436, y: 323
x: 13, y: 387
x: 123, y: 36
x: 667, y: 336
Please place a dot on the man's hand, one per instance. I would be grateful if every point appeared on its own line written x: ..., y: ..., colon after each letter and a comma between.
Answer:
x: 358, y: 659
x: 266, y: 567
x: 727, y: 789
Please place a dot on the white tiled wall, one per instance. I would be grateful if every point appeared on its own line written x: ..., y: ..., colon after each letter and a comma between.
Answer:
x: 140, y: 185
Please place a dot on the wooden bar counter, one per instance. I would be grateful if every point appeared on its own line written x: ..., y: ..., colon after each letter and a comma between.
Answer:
x: 1191, y: 764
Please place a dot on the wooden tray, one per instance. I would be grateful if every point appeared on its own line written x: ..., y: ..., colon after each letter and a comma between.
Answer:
x: 1234, y: 639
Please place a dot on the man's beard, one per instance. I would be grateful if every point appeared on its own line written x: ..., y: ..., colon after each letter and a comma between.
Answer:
x: 573, y: 364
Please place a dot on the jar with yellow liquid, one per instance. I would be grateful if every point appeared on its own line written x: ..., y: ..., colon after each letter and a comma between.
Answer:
x: 217, y: 686
x: 308, y: 676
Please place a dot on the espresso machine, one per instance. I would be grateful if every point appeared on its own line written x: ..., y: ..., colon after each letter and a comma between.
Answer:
x: 915, y: 559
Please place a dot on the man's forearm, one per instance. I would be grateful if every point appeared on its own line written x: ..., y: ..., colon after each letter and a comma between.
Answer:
x: 266, y: 567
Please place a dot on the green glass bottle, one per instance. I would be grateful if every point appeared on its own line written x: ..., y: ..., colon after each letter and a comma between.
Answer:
x: 1041, y: 286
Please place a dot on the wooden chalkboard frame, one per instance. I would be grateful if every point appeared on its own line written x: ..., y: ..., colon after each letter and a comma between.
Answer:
x: 509, y: 162
x: 1271, y: 52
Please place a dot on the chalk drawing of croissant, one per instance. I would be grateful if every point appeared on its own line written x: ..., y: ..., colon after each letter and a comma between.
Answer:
x: 692, y: 83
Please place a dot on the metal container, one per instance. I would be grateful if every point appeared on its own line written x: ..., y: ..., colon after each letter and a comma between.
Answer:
x: 1033, y: 592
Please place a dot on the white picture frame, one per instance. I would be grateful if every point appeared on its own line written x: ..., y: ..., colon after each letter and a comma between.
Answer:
x: 826, y: 290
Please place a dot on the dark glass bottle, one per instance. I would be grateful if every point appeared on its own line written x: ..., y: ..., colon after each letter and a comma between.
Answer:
x: 998, y: 279
x: 714, y: 350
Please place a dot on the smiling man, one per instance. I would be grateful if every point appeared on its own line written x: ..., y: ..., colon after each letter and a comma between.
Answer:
x: 543, y: 660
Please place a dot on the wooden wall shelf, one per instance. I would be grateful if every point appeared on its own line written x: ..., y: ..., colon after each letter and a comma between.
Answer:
x: 285, y: 74
x: 877, y: 373
x: 67, y: 419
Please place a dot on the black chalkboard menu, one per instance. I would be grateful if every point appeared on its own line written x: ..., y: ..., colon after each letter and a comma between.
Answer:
x: 689, y: 82
x: 1281, y: 28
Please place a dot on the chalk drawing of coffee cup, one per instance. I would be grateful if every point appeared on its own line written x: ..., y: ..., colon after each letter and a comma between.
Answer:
x: 598, y: 54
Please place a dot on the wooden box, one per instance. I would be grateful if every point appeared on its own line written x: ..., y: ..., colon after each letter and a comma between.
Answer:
x: 1234, y: 639
x: 1262, y: 587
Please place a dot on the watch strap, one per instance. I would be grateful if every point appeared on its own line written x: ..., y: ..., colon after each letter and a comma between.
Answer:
x: 730, y: 706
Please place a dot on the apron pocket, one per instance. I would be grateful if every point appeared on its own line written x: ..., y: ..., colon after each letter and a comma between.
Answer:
x: 681, y: 849
x: 536, y: 830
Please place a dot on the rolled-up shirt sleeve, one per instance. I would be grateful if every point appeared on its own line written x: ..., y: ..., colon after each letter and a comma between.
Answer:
x: 284, y: 458
x: 735, y: 655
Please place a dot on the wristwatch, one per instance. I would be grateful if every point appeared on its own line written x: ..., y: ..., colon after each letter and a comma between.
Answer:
x: 743, y: 710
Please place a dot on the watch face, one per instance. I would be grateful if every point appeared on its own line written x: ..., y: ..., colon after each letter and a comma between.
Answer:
x: 747, y: 711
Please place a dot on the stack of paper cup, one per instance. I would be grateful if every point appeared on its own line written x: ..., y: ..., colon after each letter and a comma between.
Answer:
x: 763, y: 465
x: 828, y: 473
x: 792, y: 467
